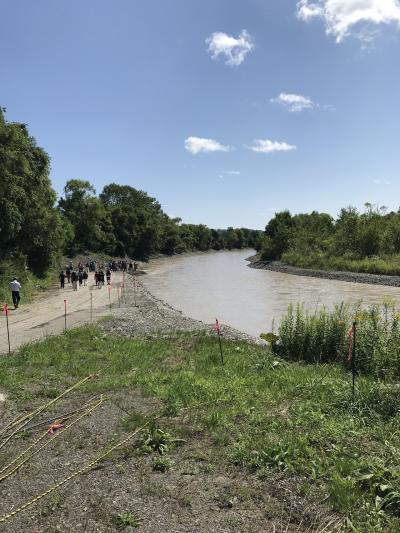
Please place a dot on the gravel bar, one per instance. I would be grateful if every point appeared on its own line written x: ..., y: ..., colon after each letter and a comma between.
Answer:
x: 353, y: 277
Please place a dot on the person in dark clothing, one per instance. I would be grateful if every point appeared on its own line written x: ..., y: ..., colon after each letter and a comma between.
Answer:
x: 108, y: 275
x: 85, y: 277
x: 61, y: 277
x: 80, y: 277
x: 74, y: 279
x: 68, y: 274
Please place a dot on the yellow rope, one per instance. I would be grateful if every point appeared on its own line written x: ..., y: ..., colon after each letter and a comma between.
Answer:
x: 27, y: 418
x: 72, y: 476
x: 18, y: 466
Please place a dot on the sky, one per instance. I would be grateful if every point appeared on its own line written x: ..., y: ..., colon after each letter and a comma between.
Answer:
x: 224, y: 110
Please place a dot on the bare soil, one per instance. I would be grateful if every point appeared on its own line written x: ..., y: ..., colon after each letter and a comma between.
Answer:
x: 201, y: 492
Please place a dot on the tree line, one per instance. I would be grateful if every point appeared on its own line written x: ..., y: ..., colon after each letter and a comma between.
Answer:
x: 122, y: 221
x: 366, y: 241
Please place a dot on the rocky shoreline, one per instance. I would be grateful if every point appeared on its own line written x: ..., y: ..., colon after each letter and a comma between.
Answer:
x: 353, y: 277
x: 155, y: 318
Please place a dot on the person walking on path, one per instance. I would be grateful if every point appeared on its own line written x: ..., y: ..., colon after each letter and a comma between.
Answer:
x: 108, y: 276
x: 80, y: 277
x: 74, y: 279
x: 85, y: 277
x: 15, y: 288
x: 61, y: 277
x: 68, y: 271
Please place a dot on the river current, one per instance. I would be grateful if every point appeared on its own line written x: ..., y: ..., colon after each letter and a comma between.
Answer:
x: 221, y: 285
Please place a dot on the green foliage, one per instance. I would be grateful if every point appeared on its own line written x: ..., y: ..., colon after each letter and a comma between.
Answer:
x: 30, y: 225
x: 126, y: 519
x: 87, y: 216
x: 322, y: 337
x: 161, y: 464
x: 366, y: 242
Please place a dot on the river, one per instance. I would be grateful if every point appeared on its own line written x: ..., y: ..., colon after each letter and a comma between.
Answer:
x: 221, y: 285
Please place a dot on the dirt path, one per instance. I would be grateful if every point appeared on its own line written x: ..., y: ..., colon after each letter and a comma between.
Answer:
x: 45, y: 315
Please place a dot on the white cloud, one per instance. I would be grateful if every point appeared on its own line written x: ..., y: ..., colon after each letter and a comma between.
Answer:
x: 232, y: 172
x: 294, y: 102
x: 381, y: 182
x: 350, y: 17
x: 197, y: 145
x: 267, y: 146
x: 233, y: 50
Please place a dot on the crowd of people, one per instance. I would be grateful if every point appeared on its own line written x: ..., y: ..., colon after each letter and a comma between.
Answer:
x: 78, y: 276
x: 102, y: 272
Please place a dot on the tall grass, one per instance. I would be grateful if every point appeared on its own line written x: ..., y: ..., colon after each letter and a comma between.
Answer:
x: 374, y: 265
x: 323, y: 337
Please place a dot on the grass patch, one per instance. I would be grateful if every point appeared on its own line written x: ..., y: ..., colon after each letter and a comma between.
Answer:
x: 264, y: 415
x: 388, y: 265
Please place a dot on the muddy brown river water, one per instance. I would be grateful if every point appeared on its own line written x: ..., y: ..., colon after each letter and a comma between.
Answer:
x: 220, y: 284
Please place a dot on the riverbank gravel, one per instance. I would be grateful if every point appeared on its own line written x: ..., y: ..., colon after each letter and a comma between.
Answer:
x: 152, y: 317
x: 353, y: 277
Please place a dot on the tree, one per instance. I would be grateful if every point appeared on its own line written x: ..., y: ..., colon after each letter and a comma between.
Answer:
x: 29, y: 221
x: 90, y: 220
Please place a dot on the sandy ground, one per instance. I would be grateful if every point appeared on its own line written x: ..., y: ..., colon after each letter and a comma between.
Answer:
x: 45, y: 314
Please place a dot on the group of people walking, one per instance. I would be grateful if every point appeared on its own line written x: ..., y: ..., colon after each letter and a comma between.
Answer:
x: 78, y: 276
x: 74, y: 276
x: 102, y: 272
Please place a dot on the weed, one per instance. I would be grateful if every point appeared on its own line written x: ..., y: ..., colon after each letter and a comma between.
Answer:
x: 126, y: 519
x: 161, y: 464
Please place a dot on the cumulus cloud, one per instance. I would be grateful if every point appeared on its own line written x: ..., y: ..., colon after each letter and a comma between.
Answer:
x: 232, y: 172
x: 294, y: 102
x: 350, y: 17
x: 266, y: 146
x: 197, y: 145
x: 232, y: 49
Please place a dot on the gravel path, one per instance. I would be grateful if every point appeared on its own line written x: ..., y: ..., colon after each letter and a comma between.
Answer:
x: 44, y: 316
x: 154, y: 317
x: 354, y: 277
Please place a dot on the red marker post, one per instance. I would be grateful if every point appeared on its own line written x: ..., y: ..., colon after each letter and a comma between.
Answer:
x: 65, y: 315
x: 5, y: 313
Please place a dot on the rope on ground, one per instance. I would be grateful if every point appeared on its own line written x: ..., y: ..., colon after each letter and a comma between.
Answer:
x: 88, y: 411
x: 64, y: 416
x: 27, y: 418
x: 79, y: 472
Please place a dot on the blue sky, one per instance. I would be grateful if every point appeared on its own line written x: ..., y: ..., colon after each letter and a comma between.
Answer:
x: 282, y: 103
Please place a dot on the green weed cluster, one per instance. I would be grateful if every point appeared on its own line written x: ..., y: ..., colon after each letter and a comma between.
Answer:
x: 323, y: 337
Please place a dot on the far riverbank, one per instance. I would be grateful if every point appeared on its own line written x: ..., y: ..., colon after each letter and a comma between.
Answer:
x: 353, y: 277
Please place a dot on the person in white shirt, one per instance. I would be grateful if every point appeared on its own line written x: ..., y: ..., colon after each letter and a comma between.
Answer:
x: 15, y: 288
